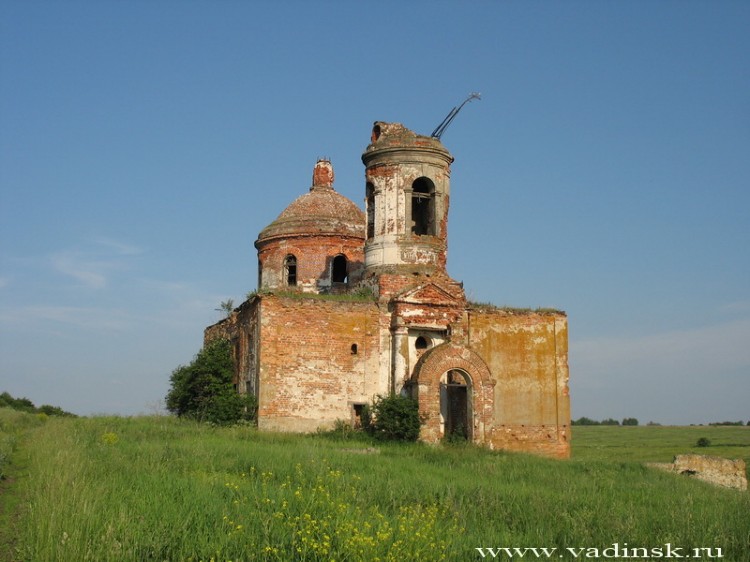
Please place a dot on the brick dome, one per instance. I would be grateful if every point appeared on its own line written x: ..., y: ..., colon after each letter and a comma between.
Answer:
x: 321, y: 212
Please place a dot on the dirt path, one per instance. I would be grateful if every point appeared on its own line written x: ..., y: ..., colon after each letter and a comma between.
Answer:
x: 11, y: 505
x: 7, y: 520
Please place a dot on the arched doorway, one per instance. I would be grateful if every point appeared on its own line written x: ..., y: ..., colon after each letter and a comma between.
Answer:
x: 455, y: 405
x: 455, y: 390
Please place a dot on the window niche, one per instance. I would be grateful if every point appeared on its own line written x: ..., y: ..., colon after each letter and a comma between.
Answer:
x: 339, y: 269
x: 290, y: 270
x: 360, y: 415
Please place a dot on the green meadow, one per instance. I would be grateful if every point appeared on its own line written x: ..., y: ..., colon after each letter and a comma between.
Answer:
x: 160, y: 488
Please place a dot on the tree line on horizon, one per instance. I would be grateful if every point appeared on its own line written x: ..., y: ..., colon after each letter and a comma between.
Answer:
x: 26, y: 405
x: 633, y: 421
x: 609, y: 421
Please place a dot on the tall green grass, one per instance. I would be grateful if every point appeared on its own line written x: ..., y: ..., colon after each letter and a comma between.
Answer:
x: 13, y: 425
x: 142, y: 489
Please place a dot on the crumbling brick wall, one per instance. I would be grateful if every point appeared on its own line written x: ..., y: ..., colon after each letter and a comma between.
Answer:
x: 240, y: 328
x: 318, y: 358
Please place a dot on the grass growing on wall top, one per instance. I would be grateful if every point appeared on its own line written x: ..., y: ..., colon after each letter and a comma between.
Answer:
x: 165, y: 489
x: 362, y: 294
x: 513, y: 310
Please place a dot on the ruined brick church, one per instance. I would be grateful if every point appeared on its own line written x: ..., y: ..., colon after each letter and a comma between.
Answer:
x: 351, y: 305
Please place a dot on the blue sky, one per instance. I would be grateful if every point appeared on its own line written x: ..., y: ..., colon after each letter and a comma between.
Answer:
x: 605, y: 172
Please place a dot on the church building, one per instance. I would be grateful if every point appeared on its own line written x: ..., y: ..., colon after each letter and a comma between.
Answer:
x: 352, y: 305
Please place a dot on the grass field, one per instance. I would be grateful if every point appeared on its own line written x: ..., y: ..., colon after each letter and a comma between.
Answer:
x: 658, y: 443
x: 136, y: 489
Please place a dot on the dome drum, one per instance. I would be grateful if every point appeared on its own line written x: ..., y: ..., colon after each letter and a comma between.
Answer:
x: 299, y: 250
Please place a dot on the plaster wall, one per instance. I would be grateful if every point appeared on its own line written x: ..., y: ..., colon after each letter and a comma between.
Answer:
x: 527, y: 354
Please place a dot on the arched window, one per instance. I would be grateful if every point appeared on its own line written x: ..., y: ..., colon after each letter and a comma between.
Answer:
x: 290, y: 270
x: 423, y: 207
x: 421, y: 344
x: 339, y: 268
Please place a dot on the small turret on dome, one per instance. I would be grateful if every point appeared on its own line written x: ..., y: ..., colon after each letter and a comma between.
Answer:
x: 322, y: 174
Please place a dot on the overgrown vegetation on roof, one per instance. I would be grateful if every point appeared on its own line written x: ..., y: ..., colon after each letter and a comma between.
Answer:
x: 362, y: 294
x: 472, y: 305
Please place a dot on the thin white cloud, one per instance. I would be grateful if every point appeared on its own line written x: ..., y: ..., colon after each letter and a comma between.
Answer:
x: 53, y: 316
x: 193, y: 310
x: 90, y: 273
x: 680, y: 377
x: 92, y: 265
x: 738, y: 307
x: 165, y: 287
x: 700, y: 351
x: 120, y: 248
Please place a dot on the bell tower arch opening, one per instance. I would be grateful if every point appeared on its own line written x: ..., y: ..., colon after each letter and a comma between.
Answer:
x: 423, y: 207
x: 370, y: 205
x: 407, y: 198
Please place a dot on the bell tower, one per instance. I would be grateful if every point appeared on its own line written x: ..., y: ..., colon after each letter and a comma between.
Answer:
x: 407, y: 196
